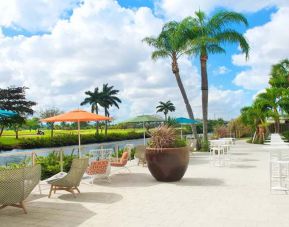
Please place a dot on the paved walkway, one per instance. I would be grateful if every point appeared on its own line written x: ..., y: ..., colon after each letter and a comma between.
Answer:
x: 236, y: 195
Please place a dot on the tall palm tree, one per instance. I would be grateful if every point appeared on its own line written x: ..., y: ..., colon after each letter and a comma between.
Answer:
x: 208, y: 36
x: 280, y: 80
x: 166, y: 107
x: 172, y: 43
x: 109, y: 99
x: 94, y: 98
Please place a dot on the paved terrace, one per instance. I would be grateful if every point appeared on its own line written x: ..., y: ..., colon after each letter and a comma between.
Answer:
x: 232, y: 196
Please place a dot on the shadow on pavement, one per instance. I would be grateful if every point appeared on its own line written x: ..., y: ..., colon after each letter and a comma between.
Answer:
x: 130, y: 180
x: 93, y: 197
x: 200, y: 182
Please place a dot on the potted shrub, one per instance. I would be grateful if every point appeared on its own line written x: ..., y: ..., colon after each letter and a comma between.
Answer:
x: 167, y: 156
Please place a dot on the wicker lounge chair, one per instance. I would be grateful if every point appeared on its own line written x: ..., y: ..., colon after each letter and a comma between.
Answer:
x: 17, y: 184
x: 140, y: 154
x: 71, y: 181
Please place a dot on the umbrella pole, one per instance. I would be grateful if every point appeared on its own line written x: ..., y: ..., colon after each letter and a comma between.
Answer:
x: 144, y: 134
x: 181, y: 131
x: 78, y: 126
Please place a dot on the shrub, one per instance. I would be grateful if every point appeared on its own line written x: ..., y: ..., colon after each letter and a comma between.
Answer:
x: 66, y: 139
x: 50, y: 165
x: 286, y: 135
x: 165, y: 137
x: 205, y: 145
x: 120, y: 152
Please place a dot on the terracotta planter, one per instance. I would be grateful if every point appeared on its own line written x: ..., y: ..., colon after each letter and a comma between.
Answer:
x: 167, y: 164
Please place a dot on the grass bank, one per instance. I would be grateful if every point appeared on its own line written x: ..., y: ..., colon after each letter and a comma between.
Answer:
x: 29, y: 139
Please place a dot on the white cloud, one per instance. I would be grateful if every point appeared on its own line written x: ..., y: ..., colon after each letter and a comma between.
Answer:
x: 177, y: 9
x: 34, y: 15
x: 225, y: 103
x: 101, y: 43
x: 269, y: 44
x: 221, y: 70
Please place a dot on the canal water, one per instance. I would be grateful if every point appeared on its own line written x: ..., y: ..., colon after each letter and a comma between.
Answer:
x: 67, y: 150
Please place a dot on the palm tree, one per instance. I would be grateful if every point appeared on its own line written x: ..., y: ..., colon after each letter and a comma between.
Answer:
x: 269, y: 101
x: 207, y: 36
x: 280, y: 80
x: 255, y: 117
x: 109, y: 99
x: 166, y: 107
x: 280, y: 74
x: 94, y: 98
x: 172, y: 43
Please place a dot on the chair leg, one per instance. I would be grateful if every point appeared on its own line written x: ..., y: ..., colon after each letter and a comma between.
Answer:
x: 71, y: 190
x: 39, y: 187
x: 77, y: 189
x: 51, y: 188
x: 23, y: 207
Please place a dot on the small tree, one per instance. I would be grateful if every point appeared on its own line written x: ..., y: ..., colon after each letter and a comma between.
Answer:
x: 50, y: 112
x: 14, y: 99
x: 32, y: 123
x: 166, y: 107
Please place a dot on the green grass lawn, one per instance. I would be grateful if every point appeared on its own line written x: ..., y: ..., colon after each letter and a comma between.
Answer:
x: 8, y: 137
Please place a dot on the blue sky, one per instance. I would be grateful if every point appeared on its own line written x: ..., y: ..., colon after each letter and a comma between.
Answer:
x: 60, y: 49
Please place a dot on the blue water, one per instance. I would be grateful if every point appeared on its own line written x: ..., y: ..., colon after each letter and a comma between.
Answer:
x: 67, y: 150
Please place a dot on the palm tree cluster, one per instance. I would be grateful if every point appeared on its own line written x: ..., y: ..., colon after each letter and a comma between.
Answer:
x: 272, y: 103
x: 106, y: 98
x: 198, y: 35
x: 166, y: 107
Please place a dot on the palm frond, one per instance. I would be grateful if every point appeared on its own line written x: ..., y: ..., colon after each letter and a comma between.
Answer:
x: 215, y: 49
x: 232, y: 36
x: 223, y: 19
x: 160, y: 54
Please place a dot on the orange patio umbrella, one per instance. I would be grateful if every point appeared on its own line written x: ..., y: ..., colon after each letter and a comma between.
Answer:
x: 77, y: 116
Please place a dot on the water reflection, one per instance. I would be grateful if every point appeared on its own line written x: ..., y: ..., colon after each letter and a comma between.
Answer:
x: 67, y: 150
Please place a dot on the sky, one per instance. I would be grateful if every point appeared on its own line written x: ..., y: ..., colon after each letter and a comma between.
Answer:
x: 60, y: 49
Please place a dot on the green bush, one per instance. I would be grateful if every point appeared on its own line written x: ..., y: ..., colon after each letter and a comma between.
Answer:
x: 180, y: 143
x: 50, y: 165
x: 16, y: 165
x: 205, y: 145
x: 66, y: 140
x: 121, y: 151
x: 286, y: 135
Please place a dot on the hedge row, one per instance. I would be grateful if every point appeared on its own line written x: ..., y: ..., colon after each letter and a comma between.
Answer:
x: 66, y: 140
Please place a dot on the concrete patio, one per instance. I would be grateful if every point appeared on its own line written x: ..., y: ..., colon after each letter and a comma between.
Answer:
x: 235, y: 195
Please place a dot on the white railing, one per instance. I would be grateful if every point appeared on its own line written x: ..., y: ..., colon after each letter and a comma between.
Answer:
x: 34, y: 154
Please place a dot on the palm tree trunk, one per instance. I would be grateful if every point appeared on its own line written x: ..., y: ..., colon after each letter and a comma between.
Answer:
x: 276, y: 121
x: 176, y: 71
x: 97, y: 125
x: 106, y: 122
x: 277, y: 125
x: 205, y: 93
x: 165, y: 117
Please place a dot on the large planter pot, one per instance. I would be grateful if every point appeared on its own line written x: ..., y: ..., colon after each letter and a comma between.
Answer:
x: 167, y: 164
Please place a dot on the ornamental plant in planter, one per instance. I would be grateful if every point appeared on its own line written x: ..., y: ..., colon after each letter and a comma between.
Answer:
x: 167, y: 156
